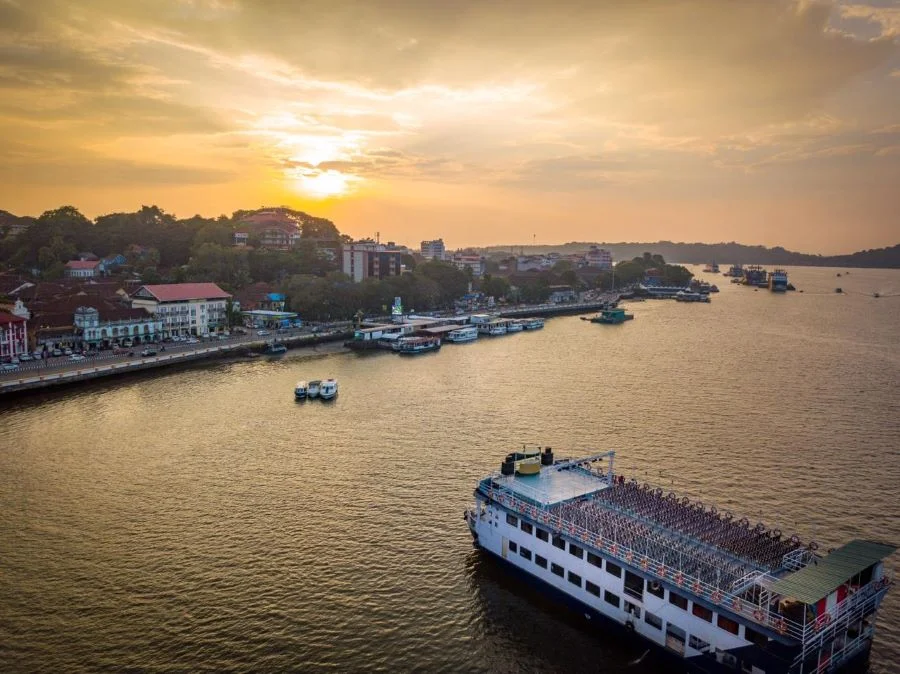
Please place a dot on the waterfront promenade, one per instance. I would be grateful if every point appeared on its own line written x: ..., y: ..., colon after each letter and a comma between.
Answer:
x: 62, y: 370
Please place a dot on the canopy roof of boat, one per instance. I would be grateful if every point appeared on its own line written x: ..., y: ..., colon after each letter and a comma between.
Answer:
x: 821, y: 578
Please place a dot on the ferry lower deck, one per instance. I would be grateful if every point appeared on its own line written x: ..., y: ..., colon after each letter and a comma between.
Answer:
x: 627, y: 549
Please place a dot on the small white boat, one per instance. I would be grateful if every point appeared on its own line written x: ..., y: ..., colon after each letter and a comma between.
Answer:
x: 300, y: 390
x: 329, y: 389
x: 312, y: 390
x: 533, y: 323
x: 515, y: 326
x: 466, y: 334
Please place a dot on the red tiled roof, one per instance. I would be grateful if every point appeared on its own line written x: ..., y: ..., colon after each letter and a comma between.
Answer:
x: 82, y: 264
x: 179, y: 292
x: 6, y: 319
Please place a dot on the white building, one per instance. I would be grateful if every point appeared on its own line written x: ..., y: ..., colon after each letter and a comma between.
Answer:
x: 474, y: 262
x: 434, y: 250
x: 185, y: 308
x: 83, y: 268
x: 598, y: 257
x: 116, y: 327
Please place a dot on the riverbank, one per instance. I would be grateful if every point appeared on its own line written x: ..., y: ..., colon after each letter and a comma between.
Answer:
x: 68, y: 373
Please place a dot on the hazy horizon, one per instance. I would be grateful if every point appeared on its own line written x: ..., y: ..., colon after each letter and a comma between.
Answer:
x: 699, y: 120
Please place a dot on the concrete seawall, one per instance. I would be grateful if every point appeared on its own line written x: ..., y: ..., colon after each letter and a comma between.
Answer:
x: 86, y: 370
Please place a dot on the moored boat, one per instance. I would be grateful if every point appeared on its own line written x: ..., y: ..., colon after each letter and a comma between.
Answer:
x: 711, y: 268
x: 778, y: 281
x: 691, y: 297
x: 300, y: 390
x: 468, y: 333
x: 329, y: 389
x: 411, y: 346
x: 754, y: 275
x: 694, y: 582
x: 736, y: 271
x: 312, y: 390
x: 515, y: 325
x: 533, y: 323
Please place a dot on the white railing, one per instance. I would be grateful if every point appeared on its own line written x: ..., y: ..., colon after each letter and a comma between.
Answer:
x: 728, y: 599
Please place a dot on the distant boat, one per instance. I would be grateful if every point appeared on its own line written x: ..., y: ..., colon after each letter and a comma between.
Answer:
x: 711, y: 268
x: 515, y: 326
x: 692, y: 297
x: 778, y: 281
x: 735, y: 271
x: 612, y: 317
x: 467, y: 334
x: 300, y: 390
x: 329, y: 389
x: 533, y: 323
x: 312, y: 391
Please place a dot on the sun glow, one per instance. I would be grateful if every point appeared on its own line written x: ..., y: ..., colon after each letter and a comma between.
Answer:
x: 324, y: 184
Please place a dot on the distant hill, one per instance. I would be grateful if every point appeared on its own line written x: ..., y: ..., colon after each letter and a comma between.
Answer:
x: 728, y: 253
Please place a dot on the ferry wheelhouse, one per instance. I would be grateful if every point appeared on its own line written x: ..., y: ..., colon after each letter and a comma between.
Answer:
x: 696, y: 582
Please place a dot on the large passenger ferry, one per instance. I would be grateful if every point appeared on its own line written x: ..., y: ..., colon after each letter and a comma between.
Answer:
x: 700, y: 584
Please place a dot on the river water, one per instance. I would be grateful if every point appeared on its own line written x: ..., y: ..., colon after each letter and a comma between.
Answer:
x: 204, y: 519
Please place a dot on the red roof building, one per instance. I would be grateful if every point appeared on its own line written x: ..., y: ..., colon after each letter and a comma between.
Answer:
x: 185, y: 308
x: 83, y: 268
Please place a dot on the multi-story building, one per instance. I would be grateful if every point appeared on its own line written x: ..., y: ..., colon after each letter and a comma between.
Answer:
x: 185, y: 308
x: 83, y: 268
x: 115, y: 326
x: 13, y: 335
x: 434, y: 250
x: 274, y: 228
x: 598, y: 257
x: 369, y: 259
x: 476, y: 263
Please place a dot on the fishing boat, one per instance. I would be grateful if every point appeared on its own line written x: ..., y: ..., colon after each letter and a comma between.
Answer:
x: 494, y: 328
x: 754, y: 275
x: 468, y: 333
x: 612, y: 317
x: 735, y: 271
x: 300, y: 390
x: 704, y: 587
x: 778, y: 281
x: 312, y: 391
x: 328, y: 389
x: 533, y: 323
x: 711, y: 268
x: 412, y: 346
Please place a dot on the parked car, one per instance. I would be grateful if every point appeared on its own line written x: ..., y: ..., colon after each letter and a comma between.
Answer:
x: 67, y: 351
x: 193, y: 340
x: 262, y: 333
x: 56, y: 352
x: 8, y: 367
x: 148, y: 352
x: 76, y: 356
x: 24, y: 357
x: 38, y: 355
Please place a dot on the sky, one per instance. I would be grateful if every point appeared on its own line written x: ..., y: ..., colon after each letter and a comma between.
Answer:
x: 772, y: 122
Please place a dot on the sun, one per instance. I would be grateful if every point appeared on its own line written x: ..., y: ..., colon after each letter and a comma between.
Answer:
x: 324, y: 184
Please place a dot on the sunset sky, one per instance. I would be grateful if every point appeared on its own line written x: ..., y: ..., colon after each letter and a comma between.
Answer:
x: 761, y: 121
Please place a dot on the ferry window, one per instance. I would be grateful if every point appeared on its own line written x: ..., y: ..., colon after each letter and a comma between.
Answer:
x: 513, y: 547
x: 557, y: 569
x: 727, y: 624
x: 614, y: 569
x: 698, y: 644
x: 702, y: 612
x: 633, y: 610
x: 576, y: 551
x: 755, y: 637
x: 653, y: 620
x: 525, y: 552
x: 656, y: 588
x: 512, y: 519
x: 634, y: 585
x: 543, y: 535
x: 575, y: 579
x: 558, y: 542
x: 540, y: 561
x: 678, y: 600
x: 611, y: 598
x: 526, y: 527
x: 595, y: 560
x: 593, y: 589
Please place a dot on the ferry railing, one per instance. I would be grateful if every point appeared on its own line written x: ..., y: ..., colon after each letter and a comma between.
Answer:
x: 609, y: 545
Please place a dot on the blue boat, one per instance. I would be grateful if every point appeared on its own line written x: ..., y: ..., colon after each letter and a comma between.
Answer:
x: 612, y: 317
